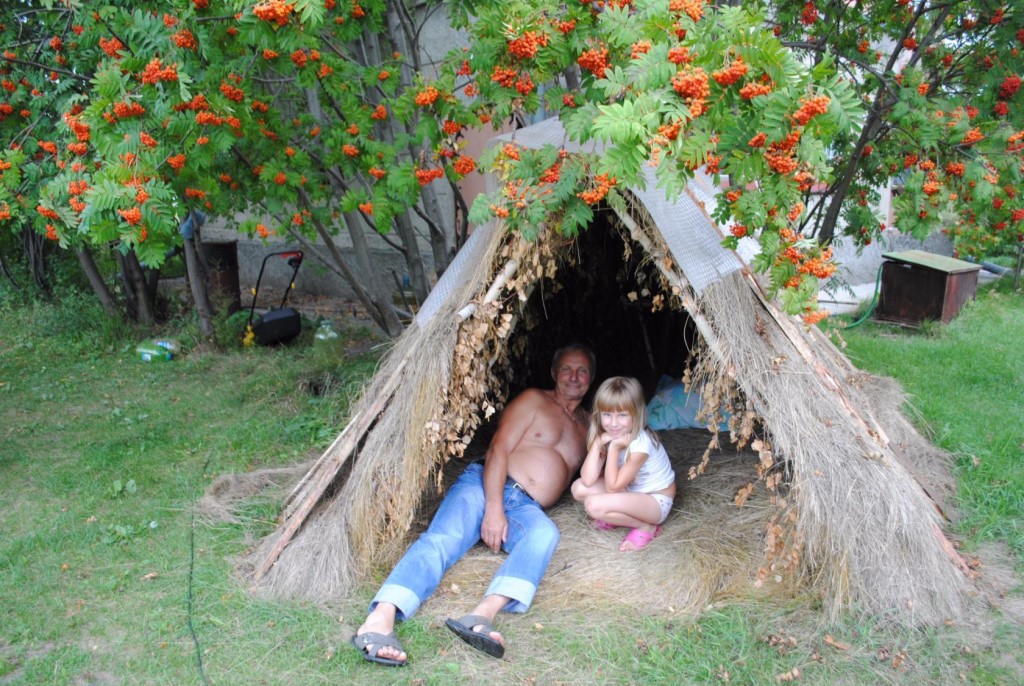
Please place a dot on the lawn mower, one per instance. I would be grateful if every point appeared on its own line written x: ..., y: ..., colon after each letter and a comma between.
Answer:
x: 282, y: 324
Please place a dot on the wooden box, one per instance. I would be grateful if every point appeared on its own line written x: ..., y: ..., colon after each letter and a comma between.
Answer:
x: 919, y: 286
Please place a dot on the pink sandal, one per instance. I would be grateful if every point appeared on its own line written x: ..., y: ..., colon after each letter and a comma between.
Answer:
x: 602, y: 525
x: 639, y: 539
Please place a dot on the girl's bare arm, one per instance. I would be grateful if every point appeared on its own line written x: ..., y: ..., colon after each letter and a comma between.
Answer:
x: 616, y: 478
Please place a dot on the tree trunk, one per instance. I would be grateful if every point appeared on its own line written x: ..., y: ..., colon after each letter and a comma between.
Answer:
x: 197, y: 282
x: 99, y: 286
x: 35, y: 246
x: 143, y: 303
x: 377, y: 293
x: 7, y: 273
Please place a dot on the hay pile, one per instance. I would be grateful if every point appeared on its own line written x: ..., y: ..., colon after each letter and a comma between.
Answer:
x: 709, y: 549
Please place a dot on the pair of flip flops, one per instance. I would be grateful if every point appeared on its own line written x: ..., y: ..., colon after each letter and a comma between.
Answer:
x: 370, y: 643
x: 639, y: 538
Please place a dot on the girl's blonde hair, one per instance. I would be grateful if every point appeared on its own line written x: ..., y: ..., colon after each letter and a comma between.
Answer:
x: 618, y: 394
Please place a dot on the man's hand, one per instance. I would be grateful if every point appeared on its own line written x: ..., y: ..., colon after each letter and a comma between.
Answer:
x: 494, y: 530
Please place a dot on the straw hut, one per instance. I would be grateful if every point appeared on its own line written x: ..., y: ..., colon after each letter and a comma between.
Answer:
x: 836, y: 494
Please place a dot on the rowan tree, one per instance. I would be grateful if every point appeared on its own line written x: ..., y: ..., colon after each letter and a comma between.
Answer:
x: 944, y: 122
x: 677, y: 85
x: 122, y: 118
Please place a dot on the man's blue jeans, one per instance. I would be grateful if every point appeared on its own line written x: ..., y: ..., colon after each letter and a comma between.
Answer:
x: 532, y: 538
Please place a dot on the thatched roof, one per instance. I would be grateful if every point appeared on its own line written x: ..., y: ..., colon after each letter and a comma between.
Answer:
x: 834, y: 459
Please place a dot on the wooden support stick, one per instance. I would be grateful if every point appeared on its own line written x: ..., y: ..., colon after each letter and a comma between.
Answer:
x: 492, y: 292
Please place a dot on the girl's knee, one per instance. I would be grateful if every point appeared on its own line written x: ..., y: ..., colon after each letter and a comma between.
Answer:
x: 578, y: 490
x: 594, y: 507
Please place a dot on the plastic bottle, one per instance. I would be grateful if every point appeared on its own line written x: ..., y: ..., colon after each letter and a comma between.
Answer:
x: 325, y: 333
x: 168, y: 344
x: 151, y: 351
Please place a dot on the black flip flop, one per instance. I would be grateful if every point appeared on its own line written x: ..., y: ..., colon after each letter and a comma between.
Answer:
x: 363, y: 642
x: 463, y: 628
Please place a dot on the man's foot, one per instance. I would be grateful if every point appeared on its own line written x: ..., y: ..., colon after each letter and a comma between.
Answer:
x: 380, y: 645
x: 476, y: 630
x: 638, y: 538
x: 384, y: 649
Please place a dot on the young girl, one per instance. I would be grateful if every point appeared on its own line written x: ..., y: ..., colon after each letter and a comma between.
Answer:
x: 627, y: 477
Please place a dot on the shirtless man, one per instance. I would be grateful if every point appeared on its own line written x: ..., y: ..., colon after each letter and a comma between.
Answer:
x: 536, y: 450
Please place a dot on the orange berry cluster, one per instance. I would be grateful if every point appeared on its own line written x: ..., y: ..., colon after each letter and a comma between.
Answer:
x: 753, y: 89
x: 350, y: 150
x: 692, y: 85
x: 594, y: 60
x: 758, y: 141
x: 731, y: 74
x: 809, y: 16
x: 972, y: 136
x: 147, y: 140
x: 526, y: 46
x: 176, y: 161
x: 426, y: 97
x: 425, y: 176
x: 639, y: 48
x: 124, y: 110
x: 133, y: 216
x: 463, y: 165
x: 813, y: 317
x: 155, y: 72
x: 811, y: 108
x: 692, y: 8
x: 380, y: 113
x: 377, y: 173
x: 274, y: 11
x: 679, y: 55
x: 524, y: 84
x: 552, y: 173
x: 231, y: 92
x: 602, y: 184
x: 111, y: 46
x: 779, y: 154
x: 366, y: 207
x: 184, y: 39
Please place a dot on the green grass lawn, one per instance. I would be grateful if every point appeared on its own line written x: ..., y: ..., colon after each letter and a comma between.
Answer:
x: 108, y: 577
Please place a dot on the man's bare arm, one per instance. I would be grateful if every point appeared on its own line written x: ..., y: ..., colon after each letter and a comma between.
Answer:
x: 515, y: 420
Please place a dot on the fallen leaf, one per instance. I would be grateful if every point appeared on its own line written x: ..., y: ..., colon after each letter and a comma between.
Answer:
x: 834, y: 643
x: 786, y: 677
x: 150, y: 576
x: 538, y: 626
x: 91, y: 519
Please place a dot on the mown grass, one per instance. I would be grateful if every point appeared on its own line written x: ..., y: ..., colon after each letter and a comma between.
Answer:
x: 101, y: 585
